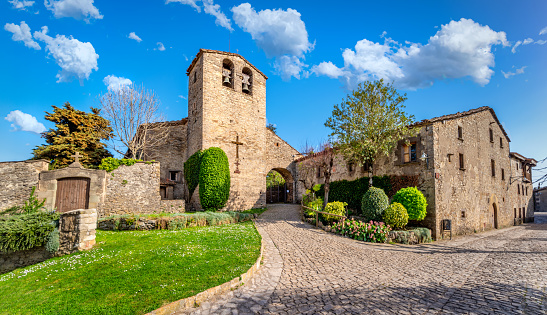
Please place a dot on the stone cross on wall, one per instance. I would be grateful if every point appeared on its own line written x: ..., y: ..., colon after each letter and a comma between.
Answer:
x: 237, y: 143
x: 76, y: 162
x: 76, y: 157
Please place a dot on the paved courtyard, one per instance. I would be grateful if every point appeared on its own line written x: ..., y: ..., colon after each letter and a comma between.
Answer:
x: 309, y: 271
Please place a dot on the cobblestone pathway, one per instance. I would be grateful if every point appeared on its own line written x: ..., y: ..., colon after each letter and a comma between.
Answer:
x: 309, y: 271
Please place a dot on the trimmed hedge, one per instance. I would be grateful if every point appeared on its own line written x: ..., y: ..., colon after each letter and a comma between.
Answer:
x: 374, y: 204
x: 25, y: 231
x: 414, y: 202
x: 352, y: 192
x: 396, y: 216
x: 214, y: 179
x: 335, y: 207
x: 175, y: 221
x: 191, y: 171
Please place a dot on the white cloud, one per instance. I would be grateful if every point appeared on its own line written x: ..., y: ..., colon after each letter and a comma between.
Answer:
x: 134, y: 36
x: 540, y: 42
x: 527, y: 41
x: 214, y: 9
x: 78, y: 9
x: 21, y: 5
x: 182, y: 96
x: 24, y: 122
x: 191, y: 3
x: 281, y: 34
x: 509, y: 74
x: 289, y: 66
x: 115, y: 83
x: 543, y: 31
x: 328, y: 69
x: 460, y: 49
x: 22, y: 33
x: 514, y: 49
x: 160, y: 46
x: 76, y: 59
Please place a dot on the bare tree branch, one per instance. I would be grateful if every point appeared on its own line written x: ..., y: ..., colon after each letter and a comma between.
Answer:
x: 134, y: 115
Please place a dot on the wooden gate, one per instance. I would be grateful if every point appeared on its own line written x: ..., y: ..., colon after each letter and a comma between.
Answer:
x: 275, y: 194
x: 72, y: 194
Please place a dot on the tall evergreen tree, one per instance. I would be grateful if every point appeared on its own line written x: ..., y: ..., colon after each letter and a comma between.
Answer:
x: 75, y: 131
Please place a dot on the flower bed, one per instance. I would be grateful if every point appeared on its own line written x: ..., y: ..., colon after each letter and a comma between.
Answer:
x: 374, y: 232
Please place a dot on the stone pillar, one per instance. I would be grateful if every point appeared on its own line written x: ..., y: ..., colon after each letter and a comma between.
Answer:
x: 77, y: 230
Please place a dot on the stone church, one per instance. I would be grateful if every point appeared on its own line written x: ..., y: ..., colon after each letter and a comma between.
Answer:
x: 226, y: 109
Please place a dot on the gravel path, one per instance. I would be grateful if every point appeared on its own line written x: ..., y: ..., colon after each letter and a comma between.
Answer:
x: 309, y: 271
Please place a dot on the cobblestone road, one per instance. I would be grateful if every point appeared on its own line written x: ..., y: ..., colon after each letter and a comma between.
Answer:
x: 308, y: 271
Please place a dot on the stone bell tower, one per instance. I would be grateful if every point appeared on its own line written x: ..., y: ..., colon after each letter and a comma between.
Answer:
x: 227, y: 109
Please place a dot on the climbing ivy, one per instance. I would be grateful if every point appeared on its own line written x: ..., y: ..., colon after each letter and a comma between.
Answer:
x: 109, y: 164
x: 191, y: 171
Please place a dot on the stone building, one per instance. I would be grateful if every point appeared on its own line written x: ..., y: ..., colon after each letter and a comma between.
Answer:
x: 540, y: 195
x: 226, y: 109
x: 466, y: 171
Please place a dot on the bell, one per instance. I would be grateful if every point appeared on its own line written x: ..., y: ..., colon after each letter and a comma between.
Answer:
x: 227, y: 80
x: 246, y: 88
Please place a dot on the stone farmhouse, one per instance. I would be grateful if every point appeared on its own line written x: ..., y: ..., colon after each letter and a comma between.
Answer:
x: 540, y: 199
x: 463, y: 160
x: 466, y: 170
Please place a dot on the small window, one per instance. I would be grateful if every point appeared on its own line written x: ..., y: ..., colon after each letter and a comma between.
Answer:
x: 195, y: 76
x: 491, y: 135
x: 366, y: 167
x: 460, y: 133
x: 227, y: 73
x: 409, y: 153
x: 501, y: 143
x: 493, y: 165
x: 463, y: 214
x: 515, y: 209
x: 174, y: 176
x: 520, y: 213
x: 462, y: 165
x: 351, y: 167
x: 518, y: 189
x: 526, y: 191
x: 319, y: 173
x: 502, y: 174
x: 247, y: 81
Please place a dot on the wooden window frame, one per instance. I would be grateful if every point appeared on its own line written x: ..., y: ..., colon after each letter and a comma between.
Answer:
x: 407, y: 152
x: 460, y: 133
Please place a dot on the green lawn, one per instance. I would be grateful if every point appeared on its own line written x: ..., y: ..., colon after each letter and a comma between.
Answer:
x: 132, y: 272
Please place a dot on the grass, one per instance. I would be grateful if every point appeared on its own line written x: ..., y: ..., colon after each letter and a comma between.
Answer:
x: 259, y: 211
x: 132, y: 272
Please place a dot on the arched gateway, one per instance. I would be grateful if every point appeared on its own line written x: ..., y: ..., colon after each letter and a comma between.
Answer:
x: 279, y: 186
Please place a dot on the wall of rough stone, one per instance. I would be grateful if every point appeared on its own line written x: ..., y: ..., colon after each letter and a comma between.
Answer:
x: 225, y: 114
x: 76, y: 232
x: 171, y: 153
x: 520, y: 192
x: 17, y: 180
x: 47, y: 187
x: 132, y: 189
x: 541, y: 199
x: 468, y: 196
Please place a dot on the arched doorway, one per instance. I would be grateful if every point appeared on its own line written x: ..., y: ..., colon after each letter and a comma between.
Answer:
x: 279, y: 186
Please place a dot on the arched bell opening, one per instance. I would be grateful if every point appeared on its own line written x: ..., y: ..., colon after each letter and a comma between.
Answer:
x: 228, y: 73
x: 279, y: 186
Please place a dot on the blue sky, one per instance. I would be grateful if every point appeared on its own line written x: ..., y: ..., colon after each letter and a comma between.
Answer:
x: 447, y: 56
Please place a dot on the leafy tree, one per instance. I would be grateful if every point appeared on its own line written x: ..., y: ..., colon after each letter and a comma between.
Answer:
x: 75, y: 131
x: 370, y: 122
x: 274, y: 179
x: 414, y: 202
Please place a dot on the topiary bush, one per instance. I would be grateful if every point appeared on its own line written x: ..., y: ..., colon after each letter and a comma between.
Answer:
x: 214, y: 179
x: 25, y: 231
x: 396, y: 216
x: 191, y: 171
x: 373, y: 204
x: 335, y: 207
x: 414, y: 202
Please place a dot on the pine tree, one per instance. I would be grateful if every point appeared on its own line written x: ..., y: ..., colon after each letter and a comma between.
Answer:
x: 75, y: 131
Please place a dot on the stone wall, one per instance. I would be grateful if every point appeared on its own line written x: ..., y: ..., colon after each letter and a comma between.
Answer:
x: 541, y: 199
x: 17, y: 180
x: 47, y: 188
x: 132, y: 189
x: 76, y: 232
x: 171, y: 154
x: 280, y: 156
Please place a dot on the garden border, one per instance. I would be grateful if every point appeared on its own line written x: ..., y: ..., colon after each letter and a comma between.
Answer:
x: 196, y: 300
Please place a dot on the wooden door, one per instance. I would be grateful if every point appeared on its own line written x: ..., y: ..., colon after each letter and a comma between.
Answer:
x: 72, y: 194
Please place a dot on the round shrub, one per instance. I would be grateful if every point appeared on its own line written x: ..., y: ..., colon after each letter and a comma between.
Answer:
x: 396, y: 216
x: 374, y: 203
x: 214, y: 179
x: 414, y: 202
x: 335, y: 207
